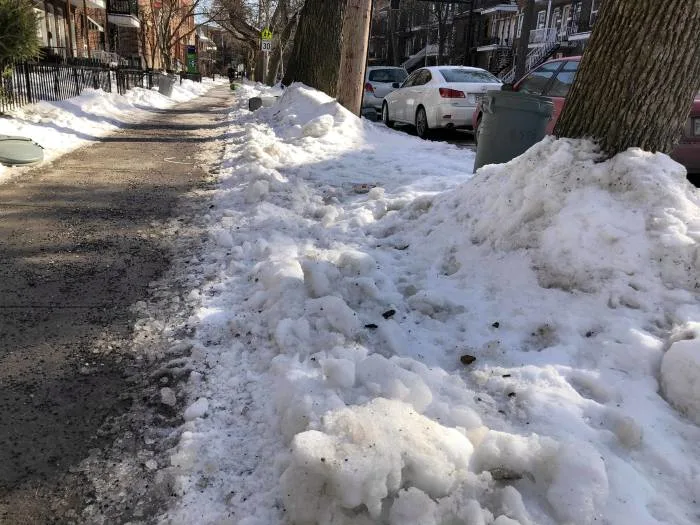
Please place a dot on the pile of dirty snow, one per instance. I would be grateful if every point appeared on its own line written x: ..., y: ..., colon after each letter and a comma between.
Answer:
x: 381, y: 338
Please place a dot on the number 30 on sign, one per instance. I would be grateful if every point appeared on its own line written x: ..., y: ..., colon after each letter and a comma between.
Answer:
x: 266, y: 45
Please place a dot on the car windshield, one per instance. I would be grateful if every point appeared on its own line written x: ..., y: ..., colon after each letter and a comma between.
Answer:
x: 387, y: 75
x: 468, y: 75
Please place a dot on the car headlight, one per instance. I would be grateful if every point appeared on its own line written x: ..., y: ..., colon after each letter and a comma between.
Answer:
x: 696, y: 127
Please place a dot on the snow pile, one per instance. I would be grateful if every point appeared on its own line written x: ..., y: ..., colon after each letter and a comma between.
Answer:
x: 65, y: 125
x: 384, y: 339
x: 680, y: 373
x: 590, y: 223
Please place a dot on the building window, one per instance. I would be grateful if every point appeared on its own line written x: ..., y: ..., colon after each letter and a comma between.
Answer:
x: 541, y: 19
x: 556, y: 19
x: 565, y: 20
x: 576, y: 18
x: 41, y: 26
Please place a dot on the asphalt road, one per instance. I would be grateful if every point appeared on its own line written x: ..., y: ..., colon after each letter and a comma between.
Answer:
x: 460, y: 138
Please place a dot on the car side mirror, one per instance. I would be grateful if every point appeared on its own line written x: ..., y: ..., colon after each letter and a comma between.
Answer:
x: 507, y: 87
x: 396, y: 85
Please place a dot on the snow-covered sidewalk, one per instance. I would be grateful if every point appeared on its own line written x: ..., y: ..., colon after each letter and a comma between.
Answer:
x: 383, y: 338
x: 60, y: 127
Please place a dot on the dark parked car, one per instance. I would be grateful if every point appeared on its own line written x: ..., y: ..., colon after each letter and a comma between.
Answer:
x: 554, y: 78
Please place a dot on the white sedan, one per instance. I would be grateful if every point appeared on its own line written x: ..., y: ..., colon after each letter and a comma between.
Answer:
x: 438, y: 97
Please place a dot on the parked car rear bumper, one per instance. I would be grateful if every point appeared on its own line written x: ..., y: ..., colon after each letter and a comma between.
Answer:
x: 449, y: 116
x: 688, y: 154
x: 369, y: 101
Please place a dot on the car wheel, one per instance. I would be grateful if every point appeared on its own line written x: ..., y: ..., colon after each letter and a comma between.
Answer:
x: 477, y: 131
x: 385, y: 116
x: 422, y: 123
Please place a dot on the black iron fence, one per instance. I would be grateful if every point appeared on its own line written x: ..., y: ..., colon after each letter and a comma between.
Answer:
x: 26, y: 83
x: 196, y: 77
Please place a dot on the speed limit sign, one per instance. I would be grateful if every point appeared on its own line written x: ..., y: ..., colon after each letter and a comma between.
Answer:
x: 266, y: 39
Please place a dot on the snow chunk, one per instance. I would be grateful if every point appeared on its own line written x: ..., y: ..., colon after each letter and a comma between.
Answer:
x: 579, y: 488
x: 413, y: 507
x: 197, y: 409
x: 337, y: 313
x: 339, y: 372
x: 256, y: 191
x: 517, y: 454
x: 167, y: 396
x: 364, y: 454
x: 355, y: 263
x: 680, y: 377
x: 387, y: 378
x: 319, y: 277
x: 224, y: 239
x: 318, y: 127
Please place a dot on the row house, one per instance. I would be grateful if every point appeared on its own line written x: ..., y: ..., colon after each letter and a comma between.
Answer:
x: 104, y: 31
x: 89, y: 31
x: 561, y: 28
x: 217, y: 50
x: 483, y: 33
x: 411, y: 36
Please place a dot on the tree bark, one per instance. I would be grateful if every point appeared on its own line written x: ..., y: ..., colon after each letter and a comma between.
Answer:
x: 354, y: 54
x: 637, y: 77
x: 524, y: 41
x: 317, y: 44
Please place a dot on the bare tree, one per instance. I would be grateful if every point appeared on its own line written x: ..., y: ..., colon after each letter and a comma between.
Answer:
x: 284, y: 23
x: 634, y: 91
x: 244, y: 20
x: 165, y: 24
x: 442, y: 12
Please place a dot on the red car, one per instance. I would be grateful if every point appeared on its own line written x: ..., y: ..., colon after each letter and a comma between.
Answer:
x: 553, y: 79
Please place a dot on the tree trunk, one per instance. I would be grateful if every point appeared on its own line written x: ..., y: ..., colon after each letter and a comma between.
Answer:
x: 316, y: 52
x: 354, y: 54
x: 259, y: 71
x: 637, y: 77
x: 524, y: 41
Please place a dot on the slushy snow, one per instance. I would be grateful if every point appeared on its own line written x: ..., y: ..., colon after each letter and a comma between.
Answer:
x: 348, y: 270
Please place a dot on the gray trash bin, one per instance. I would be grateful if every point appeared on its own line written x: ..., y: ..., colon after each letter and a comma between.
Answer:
x: 165, y: 84
x: 510, y: 124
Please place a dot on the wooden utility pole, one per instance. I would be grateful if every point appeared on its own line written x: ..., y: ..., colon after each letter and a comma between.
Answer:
x: 353, y: 57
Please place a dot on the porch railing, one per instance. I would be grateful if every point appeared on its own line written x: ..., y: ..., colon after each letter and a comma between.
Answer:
x: 544, y: 35
x: 123, y: 7
x: 107, y: 58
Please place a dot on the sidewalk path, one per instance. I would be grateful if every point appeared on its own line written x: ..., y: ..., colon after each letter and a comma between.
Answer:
x: 79, y: 244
